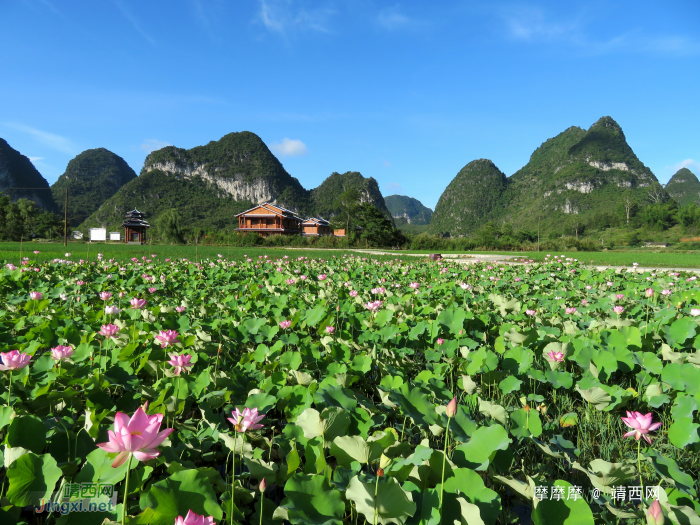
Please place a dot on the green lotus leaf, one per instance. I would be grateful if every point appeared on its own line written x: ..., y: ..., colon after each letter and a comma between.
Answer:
x: 564, y: 511
x: 482, y: 447
x: 31, y: 479
x: 392, y: 504
x: 310, y: 500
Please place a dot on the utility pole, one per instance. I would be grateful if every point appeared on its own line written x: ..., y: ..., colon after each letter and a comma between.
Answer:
x: 65, y: 219
x: 538, y: 232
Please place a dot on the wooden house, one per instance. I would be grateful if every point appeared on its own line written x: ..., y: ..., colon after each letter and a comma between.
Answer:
x: 314, y: 227
x: 135, y: 227
x: 269, y: 219
x: 341, y: 232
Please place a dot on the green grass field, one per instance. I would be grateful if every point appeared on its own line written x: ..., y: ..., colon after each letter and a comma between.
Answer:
x: 10, y: 252
x: 611, y: 258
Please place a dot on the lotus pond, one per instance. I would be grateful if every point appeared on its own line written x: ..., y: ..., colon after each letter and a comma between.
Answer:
x: 347, y: 390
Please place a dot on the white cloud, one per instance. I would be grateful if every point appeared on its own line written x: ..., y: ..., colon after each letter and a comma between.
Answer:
x: 150, y: 145
x: 534, y: 25
x: 133, y: 20
x: 394, y: 187
x: 289, y: 148
x: 34, y: 159
x: 281, y: 16
x: 692, y: 165
x: 51, y: 140
x: 391, y: 18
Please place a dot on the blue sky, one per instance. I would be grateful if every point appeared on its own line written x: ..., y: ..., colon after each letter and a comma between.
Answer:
x: 405, y: 92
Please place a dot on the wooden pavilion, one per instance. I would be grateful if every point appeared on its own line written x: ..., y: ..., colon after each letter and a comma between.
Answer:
x: 135, y: 227
x: 269, y: 219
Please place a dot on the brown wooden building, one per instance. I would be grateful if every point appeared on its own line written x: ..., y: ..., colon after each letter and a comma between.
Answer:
x: 268, y: 219
x: 313, y: 227
x: 135, y: 227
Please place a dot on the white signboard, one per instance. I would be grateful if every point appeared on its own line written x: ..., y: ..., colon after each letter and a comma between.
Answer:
x: 115, y: 236
x: 98, y: 234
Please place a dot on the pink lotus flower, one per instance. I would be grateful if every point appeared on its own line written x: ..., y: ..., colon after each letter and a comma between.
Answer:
x: 285, y: 324
x: 322, y: 277
x: 138, y: 436
x: 353, y: 293
x: 619, y: 296
x: 180, y: 362
x: 180, y: 309
x: 35, y: 296
x: 290, y: 281
x: 584, y: 302
x: 451, y: 410
x: 330, y: 329
x: 415, y: 286
x: 655, y: 516
x: 440, y: 341
x: 373, y: 306
x: 14, y: 360
x: 555, y: 356
x: 36, y: 252
x: 167, y: 338
x: 138, y: 303
x: 80, y: 283
x: 246, y: 420
x: 61, y: 352
x: 570, y: 311
x: 105, y: 296
x: 303, y: 277
x: 649, y: 292
x: 109, y: 331
x: 194, y: 519
x: 530, y: 312
x: 112, y: 310
x: 121, y: 294
x: 665, y: 292
x: 618, y: 309
x: 695, y: 312
x: 377, y: 291
x: 641, y: 425
x: 151, y: 290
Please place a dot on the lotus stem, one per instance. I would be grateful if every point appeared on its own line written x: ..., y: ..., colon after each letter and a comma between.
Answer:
x: 9, y: 390
x: 233, y: 474
x: 126, y: 489
x: 376, y: 489
x: 639, y: 462
x: 444, y: 458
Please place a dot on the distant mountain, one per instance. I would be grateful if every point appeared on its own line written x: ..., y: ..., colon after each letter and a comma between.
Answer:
x: 469, y: 200
x: 208, y: 184
x: 17, y: 171
x: 408, y: 208
x: 91, y: 178
x: 684, y: 187
x: 577, y: 173
x: 323, y: 197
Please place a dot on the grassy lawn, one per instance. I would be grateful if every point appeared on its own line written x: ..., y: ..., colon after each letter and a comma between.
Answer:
x: 10, y: 252
x: 611, y: 258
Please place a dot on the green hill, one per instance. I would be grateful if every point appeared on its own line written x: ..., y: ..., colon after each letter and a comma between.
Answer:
x: 408, y: 208
x: 684, y: 187
x: 323, y: 197
x: 470, y: 199
x: 17, y: 171
x: 208, y: 184
x: 91, y: 178
x: 575, y: 176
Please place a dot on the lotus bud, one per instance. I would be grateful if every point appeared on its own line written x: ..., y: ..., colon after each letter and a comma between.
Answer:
x: 451, y: 410
x: 263, y: 485
x: 649, y: 292
x: 384, y: 461
x: 655, y: 516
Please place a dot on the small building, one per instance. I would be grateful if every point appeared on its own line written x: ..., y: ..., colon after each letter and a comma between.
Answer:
x: 314, y: 227
x: 342, y: 232
x: 656, y: 245
x: 98, y: 234
x: 135, y: 227
x: 269, y: 219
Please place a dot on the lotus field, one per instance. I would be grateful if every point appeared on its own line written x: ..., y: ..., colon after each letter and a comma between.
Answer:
x: 282, y: 390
